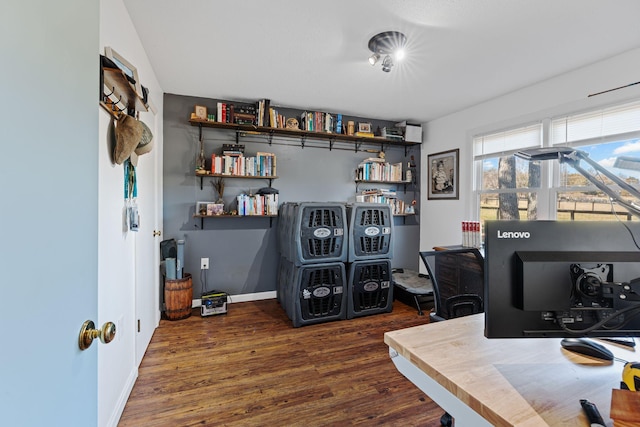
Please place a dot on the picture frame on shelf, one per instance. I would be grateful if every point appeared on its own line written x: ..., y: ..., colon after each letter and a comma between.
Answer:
x: 364, y: 127
x: 126, y: 68
x: 201, y: 112
x: 201, y: 207
x: 443, y: 170
x: 214, y: 209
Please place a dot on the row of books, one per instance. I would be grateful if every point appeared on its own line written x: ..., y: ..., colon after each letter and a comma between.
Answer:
x: 318, y: 121
x: 382, y: 196
x: 375, y: 169
x: 262, y: 114
x: 257, y: 204
x: 241, y: 114
x: 233, y: 163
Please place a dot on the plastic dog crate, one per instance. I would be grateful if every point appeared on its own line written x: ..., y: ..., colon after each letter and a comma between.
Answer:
x: 317, y: 293
x: 317, y: 233
x: 370, y: 289
x: 370, y: 231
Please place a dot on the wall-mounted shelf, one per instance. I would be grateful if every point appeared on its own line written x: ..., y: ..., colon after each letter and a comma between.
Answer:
x: 303, y: 135
x: 361, y: 181
x: 219, y: 175
x: 202, y: 217
x: 118, y: 95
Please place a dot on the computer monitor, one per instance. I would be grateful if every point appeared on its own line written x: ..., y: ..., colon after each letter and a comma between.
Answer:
x: 562, y: 279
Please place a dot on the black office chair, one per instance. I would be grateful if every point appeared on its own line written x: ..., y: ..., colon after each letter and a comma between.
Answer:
x: 457, y: 276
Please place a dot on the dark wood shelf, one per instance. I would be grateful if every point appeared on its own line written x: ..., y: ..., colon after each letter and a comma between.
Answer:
x: 234, y: 216
x: 220, y: 175
x: 368, y: 181
x: 302, y: 134
x: 202, y: 217
x: 359, y: 181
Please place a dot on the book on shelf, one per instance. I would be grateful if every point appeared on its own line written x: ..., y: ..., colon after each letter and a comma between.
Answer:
x: 372, y: 169
x: 387, y: 192
x: 263, y: 112
x: 233, y: 147
x: 397, y: 205
x: 236, y: 164
x: 257, y: 204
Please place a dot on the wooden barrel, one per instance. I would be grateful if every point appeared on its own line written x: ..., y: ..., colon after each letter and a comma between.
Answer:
x: 177, y: 297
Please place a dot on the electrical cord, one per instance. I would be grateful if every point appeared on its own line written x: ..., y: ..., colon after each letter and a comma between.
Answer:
x: 603, y: 322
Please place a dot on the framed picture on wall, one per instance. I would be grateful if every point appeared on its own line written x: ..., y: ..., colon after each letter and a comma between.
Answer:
x: 443, y: 175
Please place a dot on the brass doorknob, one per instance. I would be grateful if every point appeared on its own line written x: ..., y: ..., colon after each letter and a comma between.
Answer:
x: 88, y: 333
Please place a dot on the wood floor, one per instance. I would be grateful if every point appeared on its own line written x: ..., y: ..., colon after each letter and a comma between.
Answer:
x: 250, y: 367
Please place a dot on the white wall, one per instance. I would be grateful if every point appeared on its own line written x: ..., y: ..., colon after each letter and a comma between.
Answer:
x: 440, y: 220
x: 117, y: 247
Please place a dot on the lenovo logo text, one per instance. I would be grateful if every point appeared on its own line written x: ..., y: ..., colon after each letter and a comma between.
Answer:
x: 513, y: 234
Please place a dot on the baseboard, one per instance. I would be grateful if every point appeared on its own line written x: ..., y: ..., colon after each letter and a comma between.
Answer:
x: 257, y: 296
x: 122, y: 400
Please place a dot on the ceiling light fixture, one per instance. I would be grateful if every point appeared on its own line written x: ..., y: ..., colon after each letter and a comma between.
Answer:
x: 387, y: 63
x: 389, y: 43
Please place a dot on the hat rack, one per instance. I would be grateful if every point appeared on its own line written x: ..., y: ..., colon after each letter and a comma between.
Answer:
x: 118, y: 95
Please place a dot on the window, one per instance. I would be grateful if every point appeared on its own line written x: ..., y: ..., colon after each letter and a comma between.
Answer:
x: 510, y: 188
x: 507, y: 186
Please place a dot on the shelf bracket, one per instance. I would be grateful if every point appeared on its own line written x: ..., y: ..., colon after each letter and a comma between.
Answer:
x: 201, y: 183
x: 238, y: 138
x: 199, y: 131
x: 302, y: 140
x: 331, y: 141
x: 358, y: 144
x: 270, y: 137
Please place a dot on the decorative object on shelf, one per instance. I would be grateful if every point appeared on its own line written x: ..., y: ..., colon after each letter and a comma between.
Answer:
x: 364, y: 127
x: 389, y: 43
x: 443, y: 173
x: 412, y: 132
x: 218, y: 186
x: 201, y: 112
x: 200, y: 160
x: 214, y: 209
x: 201, y: 207
x: 292, y: 123
x: 351, y: 127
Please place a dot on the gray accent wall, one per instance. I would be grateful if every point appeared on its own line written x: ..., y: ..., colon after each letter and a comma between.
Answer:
x: 243, y: 252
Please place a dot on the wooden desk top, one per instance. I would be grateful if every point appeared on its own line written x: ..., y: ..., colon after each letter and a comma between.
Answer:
x: 520, y: 382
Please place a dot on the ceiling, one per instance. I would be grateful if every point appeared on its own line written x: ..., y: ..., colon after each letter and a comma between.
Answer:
x: 313, y: 54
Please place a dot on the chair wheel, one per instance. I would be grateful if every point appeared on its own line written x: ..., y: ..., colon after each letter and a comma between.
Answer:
x: 446, y: 420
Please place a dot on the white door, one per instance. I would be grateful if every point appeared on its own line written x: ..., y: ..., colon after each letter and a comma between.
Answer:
x: 148, y: 238
x: 128, y: 270
x: 48, y: 211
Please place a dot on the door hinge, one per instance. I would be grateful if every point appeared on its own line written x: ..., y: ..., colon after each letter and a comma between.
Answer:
x: 138, y: 325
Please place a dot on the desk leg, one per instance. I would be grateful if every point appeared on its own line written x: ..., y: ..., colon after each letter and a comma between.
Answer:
x: 463, y: 415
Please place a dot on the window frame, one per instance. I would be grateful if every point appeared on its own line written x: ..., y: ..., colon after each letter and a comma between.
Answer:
x: 550, y: 176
